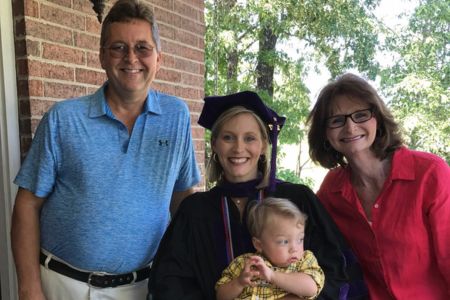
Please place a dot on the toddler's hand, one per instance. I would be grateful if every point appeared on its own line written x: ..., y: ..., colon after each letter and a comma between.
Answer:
x: 248, y: 274
x: 262, y: 269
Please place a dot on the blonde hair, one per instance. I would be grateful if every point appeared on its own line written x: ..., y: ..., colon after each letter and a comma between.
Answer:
x: 214, y: 170
x: 259, y: 214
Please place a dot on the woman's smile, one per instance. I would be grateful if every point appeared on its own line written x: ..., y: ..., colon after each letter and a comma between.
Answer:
x: 239, y: 146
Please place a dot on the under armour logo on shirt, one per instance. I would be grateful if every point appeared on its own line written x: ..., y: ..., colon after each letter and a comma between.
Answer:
x: 163, y: 142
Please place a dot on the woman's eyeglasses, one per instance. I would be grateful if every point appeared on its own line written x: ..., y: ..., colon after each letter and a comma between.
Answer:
x: 359, y: 116
x: 119, y: 50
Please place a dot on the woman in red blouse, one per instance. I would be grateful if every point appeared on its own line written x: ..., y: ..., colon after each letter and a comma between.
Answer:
x: 391, y: 203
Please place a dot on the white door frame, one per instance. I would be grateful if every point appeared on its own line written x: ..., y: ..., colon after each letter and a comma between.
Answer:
x: 9, y: 148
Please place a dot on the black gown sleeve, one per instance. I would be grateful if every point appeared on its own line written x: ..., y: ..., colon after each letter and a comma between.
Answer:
x: 171, y: 275
x: 185, y: 266
x: 324, y: 239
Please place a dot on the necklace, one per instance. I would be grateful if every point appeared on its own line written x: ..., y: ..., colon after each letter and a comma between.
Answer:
x: 227, y: 224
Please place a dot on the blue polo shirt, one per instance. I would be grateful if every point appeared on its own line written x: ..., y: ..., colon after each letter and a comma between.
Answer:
x: 108, y: 192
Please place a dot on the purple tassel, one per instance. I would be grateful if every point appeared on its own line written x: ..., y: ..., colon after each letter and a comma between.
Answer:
x: 273, y: 159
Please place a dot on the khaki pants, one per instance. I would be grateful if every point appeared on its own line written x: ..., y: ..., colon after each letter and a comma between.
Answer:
x: 60, y: 287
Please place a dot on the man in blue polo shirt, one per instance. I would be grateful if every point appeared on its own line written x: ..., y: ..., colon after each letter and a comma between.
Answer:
x: 102, y: 173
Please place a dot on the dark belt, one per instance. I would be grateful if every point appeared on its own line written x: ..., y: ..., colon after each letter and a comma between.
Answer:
x: 94, y: 278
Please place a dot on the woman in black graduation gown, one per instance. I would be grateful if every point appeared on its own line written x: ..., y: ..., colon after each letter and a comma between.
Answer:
x: 209, y: 228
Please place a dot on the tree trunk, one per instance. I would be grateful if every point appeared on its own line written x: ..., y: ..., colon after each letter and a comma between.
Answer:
x: 265, y: 66
x: 232, y: 70
x: 300, y: 165
x: 232, y: 57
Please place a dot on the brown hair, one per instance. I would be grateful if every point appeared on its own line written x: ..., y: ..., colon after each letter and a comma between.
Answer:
x: 127, y: 11
x: 259, y: 214
x: 388, y: 136
x: 214, y: 168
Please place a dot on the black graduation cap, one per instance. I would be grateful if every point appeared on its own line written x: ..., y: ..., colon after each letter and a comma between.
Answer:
x: 216, y: 105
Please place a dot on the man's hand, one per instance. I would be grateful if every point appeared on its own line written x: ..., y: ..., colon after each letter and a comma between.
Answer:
x: 25, y: 240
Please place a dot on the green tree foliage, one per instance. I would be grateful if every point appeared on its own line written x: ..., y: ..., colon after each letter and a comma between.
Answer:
x: 418, y: 83
x: 245, y: 49
x: 290, y: 176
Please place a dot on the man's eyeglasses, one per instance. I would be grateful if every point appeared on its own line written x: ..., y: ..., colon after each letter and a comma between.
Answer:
x: 359, y: 116
x: 119, y: 50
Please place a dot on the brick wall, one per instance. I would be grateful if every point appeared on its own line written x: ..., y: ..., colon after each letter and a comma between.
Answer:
x: 57, y: 45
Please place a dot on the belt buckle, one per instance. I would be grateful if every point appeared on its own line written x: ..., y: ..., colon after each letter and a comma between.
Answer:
x: 97, y: 283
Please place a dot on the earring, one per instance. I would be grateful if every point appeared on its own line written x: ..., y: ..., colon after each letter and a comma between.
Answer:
x: 262, y: 158
x: 214, y: 157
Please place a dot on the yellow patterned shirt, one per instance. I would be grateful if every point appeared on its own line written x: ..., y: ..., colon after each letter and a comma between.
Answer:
x: 265, y: 290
